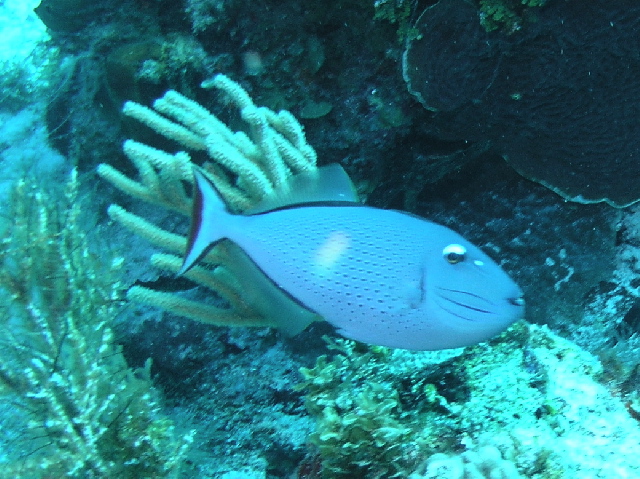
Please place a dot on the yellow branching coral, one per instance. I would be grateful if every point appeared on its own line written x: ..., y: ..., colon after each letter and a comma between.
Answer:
x: 87, y: 414
x: 244, y: 167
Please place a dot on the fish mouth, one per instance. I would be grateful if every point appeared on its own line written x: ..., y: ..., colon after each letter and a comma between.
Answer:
x: 517, y: 301
x: 473, y: 307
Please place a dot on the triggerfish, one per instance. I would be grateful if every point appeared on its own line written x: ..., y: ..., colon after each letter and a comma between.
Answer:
x: 379, y: 276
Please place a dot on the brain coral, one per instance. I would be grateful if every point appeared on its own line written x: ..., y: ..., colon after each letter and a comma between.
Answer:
x: 557, y: 99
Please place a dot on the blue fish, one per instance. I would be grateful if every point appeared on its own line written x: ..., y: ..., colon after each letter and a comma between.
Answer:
x: 379, y: 276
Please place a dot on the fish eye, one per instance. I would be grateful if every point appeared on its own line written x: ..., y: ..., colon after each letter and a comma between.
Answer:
x: 454, y: 253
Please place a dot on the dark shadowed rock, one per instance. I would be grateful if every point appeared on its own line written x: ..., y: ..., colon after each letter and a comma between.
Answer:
x: 558, y: 100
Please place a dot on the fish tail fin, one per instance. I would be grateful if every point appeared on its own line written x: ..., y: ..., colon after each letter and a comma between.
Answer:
x: 209, y: 210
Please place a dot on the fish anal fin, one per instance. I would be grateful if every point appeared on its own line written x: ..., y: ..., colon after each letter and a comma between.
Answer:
x: 263, y: 295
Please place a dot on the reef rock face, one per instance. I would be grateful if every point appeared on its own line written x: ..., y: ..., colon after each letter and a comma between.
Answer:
x: 557, y: 99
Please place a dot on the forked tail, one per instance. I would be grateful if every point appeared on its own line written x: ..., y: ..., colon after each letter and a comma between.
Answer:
x: 207, y: 219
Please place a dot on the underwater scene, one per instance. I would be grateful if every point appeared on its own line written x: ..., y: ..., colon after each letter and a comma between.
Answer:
x: 350, y: 239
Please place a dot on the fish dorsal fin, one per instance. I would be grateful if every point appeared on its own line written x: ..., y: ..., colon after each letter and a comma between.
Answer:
x: 326, y: 184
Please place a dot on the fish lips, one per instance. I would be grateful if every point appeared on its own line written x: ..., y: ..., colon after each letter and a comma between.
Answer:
x: 477, y: 308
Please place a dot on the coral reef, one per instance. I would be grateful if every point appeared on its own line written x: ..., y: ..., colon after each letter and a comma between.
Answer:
x: 486, y: 462
x: 331, y: 65
x: 508, y: 15
x: 549, y: 109
x: 397, y: 12
x: 513, y: 407
x: 68, y: 15
x: 360, y: 428
x: 208, y: 15
x: 87, y: 413
x: 27, y: 63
